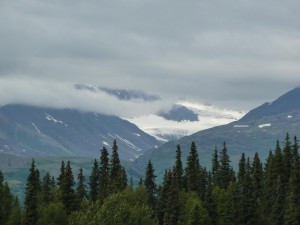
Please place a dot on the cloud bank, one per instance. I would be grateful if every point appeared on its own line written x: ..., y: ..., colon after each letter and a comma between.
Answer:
x: 231, y: 53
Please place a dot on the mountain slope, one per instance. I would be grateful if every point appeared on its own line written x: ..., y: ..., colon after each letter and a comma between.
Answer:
x: 257, y: 131
x: 39, y: 132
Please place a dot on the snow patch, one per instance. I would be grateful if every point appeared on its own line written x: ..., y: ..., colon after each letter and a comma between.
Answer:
x: 36, y: 128
x: 264, y: 125
x: 241, y: 126
x: 129, y: 143
x: 51, y: 118
x: 105, y: 143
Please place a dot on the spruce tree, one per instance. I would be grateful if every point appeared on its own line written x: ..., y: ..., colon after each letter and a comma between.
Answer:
x: 179, y: 168
x: 292, y: 208
x: 269, y: 185
x: 47, y: 195
x: 94, y: 182
x: 31, y: 201
x: 104, y: 175
x: 150, y: 185
x: 257, y: 177
x: 215, y: 168
x: 226, y: 172
x: 80, y: 190
x: 287, y: 159
x: 62, y: 174
x: 6, y: 200
x: 67, y: 190
x: 193, y: 171
x: 117, y: 173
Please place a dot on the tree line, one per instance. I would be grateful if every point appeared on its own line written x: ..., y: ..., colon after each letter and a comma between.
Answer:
x: 258, y: 194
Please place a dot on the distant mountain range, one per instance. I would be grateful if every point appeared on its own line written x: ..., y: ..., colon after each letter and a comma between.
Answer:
x: 27, y: 131
x: 257, y: 131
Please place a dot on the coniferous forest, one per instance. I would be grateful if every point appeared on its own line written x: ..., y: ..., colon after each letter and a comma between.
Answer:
x: 258, y: 193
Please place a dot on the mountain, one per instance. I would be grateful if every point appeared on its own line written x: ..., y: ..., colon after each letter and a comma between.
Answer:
x: 27, y: 131
x: 257, y: 131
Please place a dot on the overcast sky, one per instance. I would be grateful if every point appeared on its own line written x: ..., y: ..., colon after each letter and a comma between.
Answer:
x: 235, y: 53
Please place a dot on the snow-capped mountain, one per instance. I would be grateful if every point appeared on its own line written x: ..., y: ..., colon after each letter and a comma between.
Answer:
x: 165, y: 128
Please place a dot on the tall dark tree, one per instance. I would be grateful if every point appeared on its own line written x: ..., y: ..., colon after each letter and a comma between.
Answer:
x: 117, y: 173
x: 94, y: 182
x: 150, y: 185
x: 295, y: 148
x: 104, y: 175
x: 287, y: 159
x: 226, y: 172
x: 31, y: 201
x: 179, y: 168
x: 80, y: 190
x: 215, y: 168
x: 62, y: 174
x: 193, y: 171
x: 47, y: 195
x: 6, y: 200
x: 269, y: 185
x: 292, y: 208
x: 67, y: 190
x: 257, y: 177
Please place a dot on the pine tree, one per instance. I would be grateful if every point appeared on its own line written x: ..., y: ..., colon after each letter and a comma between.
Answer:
x: 6, y: 200
x: 80, y: 190
x: 292, y: 208
x: 67, y: 191
x: 287, y: 160
x: 104, y: 175
x: 31, y: 201
x: 46, y: 189
x: 117, y: 173
x: 295, y: 148
x: 94, y: 182
x: 257, y: 177
x: 62, y: 174
x: 150, y: 185
x: 215, y: 168
x: 269, y: 185
x: 179, y: 168
x: 193, y: 171
x: 226, y: 172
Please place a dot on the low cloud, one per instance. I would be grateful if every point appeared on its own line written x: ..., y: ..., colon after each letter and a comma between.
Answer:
x: 64, y: 95
x: 233, y: 53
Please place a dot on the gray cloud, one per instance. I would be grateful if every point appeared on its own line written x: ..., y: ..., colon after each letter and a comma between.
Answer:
x: 232, y: 53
